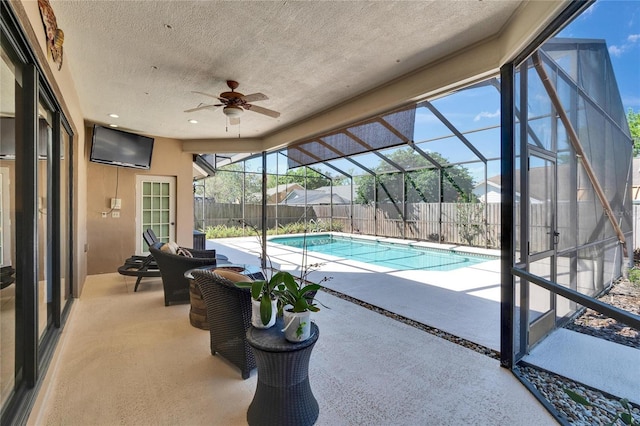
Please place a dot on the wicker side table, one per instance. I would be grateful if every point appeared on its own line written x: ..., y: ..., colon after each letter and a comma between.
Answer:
x: 283, y: 393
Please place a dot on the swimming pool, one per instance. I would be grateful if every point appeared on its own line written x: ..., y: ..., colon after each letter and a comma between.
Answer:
x: 390, y: 255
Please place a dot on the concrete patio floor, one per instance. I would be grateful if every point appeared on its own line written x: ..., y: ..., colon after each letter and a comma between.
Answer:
x: 125, y: 358
x: 465, y: 303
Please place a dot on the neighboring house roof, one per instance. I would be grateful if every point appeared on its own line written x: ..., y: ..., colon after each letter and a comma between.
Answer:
x: 283, y: 187
x: 344, y: 191
x: 493, y: 191
x: 312, y: 196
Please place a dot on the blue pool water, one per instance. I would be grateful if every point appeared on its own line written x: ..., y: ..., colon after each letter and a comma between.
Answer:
x: 390, y: 255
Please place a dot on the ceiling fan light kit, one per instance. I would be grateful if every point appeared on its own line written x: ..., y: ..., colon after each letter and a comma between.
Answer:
x: 235, y: 103
x: 232, y: 111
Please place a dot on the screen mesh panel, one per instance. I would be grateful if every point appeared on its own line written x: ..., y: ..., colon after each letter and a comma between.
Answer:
x: 385, y: 131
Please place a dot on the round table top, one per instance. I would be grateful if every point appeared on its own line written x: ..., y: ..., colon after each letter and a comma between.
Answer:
x: 272, y: 339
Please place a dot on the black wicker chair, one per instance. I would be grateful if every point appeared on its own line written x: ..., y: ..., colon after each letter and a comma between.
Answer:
x: 229, y: 315
x: 172, y: 268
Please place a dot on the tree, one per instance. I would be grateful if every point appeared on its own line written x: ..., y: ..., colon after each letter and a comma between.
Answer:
x: 470, y: 219
x: 422, y: 180
x: 227, y: 185
x: 634, y: 126
x: 313, y: 179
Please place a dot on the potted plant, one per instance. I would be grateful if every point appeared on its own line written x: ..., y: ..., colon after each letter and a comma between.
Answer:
x: 264, y: 299
x: 296, y: 300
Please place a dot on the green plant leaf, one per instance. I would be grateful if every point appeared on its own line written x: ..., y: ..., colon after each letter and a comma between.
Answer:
x: 300, y: 305
x: 310, y: 287
x: 627, y: 418
x: 244, y: 284
x: 292, y: 287
x: 577, y: 398
x: 265, y: 310
x: 256, y: 289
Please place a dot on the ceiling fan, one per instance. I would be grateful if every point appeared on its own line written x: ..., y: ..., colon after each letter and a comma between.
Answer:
x: 235, y: 103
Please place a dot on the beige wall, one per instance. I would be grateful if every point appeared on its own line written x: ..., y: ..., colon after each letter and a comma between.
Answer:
x: 112, y: 240
x: 101, y: 245
x: 64, y: 88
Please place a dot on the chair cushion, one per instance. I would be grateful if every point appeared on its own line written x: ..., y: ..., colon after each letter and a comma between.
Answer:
x: 173, y: 248
x: 232, y: 276
x: 183, y: 252
x: 170, y: 247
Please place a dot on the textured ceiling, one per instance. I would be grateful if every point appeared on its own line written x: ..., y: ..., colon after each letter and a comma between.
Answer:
x: 143, y: 59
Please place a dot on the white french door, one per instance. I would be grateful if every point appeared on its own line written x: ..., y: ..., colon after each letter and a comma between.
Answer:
x: 155, y: 207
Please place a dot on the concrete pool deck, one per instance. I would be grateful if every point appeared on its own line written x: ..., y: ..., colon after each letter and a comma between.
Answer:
x: 464, y: 302
x: 424, y: 296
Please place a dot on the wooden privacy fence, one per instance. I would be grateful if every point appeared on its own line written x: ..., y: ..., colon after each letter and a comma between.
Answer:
x: 444, y: 222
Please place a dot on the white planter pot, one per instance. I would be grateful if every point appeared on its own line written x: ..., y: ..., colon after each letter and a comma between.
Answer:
x: 297, y: 326
x: 256, y: 321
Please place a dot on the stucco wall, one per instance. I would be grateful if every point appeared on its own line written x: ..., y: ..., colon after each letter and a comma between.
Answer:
x: 62, y: 83
x: 112, y: 240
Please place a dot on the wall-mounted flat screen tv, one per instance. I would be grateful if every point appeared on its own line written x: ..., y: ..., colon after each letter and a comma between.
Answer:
x: 118, y: 148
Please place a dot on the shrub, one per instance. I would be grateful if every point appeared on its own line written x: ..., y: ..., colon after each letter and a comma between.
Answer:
x: 225, y: 231
x: 634, y: 276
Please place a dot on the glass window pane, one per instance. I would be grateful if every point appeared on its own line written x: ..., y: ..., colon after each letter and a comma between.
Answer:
x: 10, y: 89
x: 45, y: 290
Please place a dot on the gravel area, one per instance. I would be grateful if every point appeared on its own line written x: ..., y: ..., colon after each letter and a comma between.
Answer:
x: 552, y: 386
x: 624, y: 295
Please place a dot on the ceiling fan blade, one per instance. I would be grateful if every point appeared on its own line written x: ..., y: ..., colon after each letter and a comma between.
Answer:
x: 209, y: 95
x: 254, y: 97
x: 261, y: 110
x: 234, y: 121
x: 211, y: 107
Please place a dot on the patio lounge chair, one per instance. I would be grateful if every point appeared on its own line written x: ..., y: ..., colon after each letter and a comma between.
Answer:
x: 172, y: 268
x: 150, y: 238
x: 229, y: 314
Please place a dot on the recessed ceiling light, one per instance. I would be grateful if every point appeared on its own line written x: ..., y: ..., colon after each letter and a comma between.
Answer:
x: 114, y: 116
x: 192, y: 121
x: 113, y: 125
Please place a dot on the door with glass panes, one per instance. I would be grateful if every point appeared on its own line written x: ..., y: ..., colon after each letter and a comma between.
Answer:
x: 155, y: 197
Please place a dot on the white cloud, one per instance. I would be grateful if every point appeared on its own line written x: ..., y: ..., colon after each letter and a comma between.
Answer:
x: 616, y: 51
x: 485, y: 114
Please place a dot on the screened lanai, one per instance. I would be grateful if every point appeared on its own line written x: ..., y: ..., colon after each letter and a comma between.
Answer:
x: 439, y: 171
x: 418, y: 173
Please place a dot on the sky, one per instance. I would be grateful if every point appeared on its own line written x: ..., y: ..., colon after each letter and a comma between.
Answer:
x: 615, y: 21
x: 618, y: 23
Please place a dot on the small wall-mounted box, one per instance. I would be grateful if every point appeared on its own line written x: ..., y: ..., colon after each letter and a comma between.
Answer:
x: 116, y: 203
